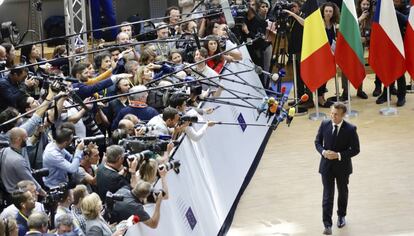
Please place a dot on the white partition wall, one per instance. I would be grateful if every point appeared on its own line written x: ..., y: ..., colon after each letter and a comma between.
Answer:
x: 215, y: 170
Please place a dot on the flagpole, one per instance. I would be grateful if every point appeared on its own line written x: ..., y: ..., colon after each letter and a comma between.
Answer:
x: 351, y: 113
x: 317, y: 115
x: 388, y: 111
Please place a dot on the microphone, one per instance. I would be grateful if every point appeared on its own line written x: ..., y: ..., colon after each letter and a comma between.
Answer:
x: 290, y: 116
x: 227, y: 13
x: 259, y: 70
x: 303, y: 98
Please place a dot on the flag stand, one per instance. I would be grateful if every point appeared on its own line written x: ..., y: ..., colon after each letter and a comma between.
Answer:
x: 335, y: 98
x: 295, y: 88
x: 388, y: 111
x: 317, y: 115
x: 351, y: 113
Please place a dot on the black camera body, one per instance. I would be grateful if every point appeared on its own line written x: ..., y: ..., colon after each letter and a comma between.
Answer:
x: 154, y: 194
x: 40, y: 173
x: 54, y: 195
x: 239, y: 13
x: 98, y: 139
x: 277, y: 14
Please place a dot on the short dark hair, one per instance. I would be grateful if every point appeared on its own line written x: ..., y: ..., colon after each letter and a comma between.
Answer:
x: 69, y: 125
x: 203, y: 52
x: 78, y: 68
x: 22, y: 103
x: 169, y: 113
x: 19, y: 197
x: 63, y: 135
x: 98, y: 58
x: 6, y: 115
x: 178, y: 99
x: 340, y: 106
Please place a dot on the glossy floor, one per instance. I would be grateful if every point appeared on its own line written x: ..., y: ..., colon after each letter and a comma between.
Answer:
x: 285, y: 195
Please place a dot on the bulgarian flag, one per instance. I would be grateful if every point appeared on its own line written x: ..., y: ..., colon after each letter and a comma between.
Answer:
x: 317, y: 63
x: 349, y: 54
x: 409, y: 42
x: 386, y: 51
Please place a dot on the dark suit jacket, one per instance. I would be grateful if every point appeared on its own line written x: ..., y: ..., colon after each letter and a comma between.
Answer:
x: 347, y: 144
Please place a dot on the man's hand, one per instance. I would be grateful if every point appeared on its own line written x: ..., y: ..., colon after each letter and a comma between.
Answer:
x: 42, y: 193
x: 80, y: 146
x: 330, y: 155
x: 133, y: 166
x: 31, y: 82
x: 162, y: 172
x: 152, y: 66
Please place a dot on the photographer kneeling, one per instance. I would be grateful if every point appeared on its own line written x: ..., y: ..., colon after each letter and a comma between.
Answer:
x: 133, y: 204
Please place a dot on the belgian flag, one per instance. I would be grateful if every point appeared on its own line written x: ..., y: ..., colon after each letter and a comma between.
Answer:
x: 317, y: 63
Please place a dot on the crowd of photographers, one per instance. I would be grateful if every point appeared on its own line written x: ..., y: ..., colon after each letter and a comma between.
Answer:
x: 82, y: 165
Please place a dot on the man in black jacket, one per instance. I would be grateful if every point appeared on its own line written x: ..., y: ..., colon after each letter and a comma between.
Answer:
x: 337, y: 142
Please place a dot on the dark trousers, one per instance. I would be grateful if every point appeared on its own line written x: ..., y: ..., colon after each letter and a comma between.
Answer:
x: 300, y: 85
x: 328, y: 181
x: 401, y: 83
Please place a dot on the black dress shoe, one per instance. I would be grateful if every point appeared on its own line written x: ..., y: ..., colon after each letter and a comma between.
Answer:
x: 381, y: 99
x: 327, y: 104
x: 400, y: 102
x: 377, y: 92
x: 393, y: 90
x: 341, y: 221
x: 327, y: 231
x: 362, y: 94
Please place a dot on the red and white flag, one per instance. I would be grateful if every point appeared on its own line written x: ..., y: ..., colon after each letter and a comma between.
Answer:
x: 409, y: 42
x: 386, y: 52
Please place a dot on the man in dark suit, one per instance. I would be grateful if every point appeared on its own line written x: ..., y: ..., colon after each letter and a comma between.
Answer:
x: 337, y: 141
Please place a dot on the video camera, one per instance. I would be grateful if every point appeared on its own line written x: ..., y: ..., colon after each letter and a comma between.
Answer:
x: 277, y: 14
x: 239, y: 12
x: 54, y: 195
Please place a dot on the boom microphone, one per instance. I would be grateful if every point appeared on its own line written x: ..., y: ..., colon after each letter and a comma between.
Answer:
x: 259, y: 70
x: 227, y: 13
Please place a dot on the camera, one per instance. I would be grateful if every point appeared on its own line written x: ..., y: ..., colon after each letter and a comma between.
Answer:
x: 153, y: 144
x: 239, y: 12
x: 111, y: 197
x: 144, y: 155
x: 54, y: 195
x: 170, y: 165
x: 154, y: 194
x: 187, y: 118
x: 40, y: 173
x: 2, y: 65
x: 98, y: 139
x: 144, y: 127
x: 277, y: 14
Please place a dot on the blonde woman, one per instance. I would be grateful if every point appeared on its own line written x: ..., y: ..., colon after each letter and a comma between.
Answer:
x: 91, y: 207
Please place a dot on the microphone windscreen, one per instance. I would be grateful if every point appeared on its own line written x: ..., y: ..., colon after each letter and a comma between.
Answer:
x: 275, y: 77
x: 258, y: 70
x: 292, y: 112
x: 304, y: 98
x: 283, y: 90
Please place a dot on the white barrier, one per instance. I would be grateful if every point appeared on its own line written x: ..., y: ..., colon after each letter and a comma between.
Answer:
x: 213, y: 169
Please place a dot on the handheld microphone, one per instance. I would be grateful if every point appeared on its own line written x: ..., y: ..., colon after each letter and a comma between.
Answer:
x: 227, y: 13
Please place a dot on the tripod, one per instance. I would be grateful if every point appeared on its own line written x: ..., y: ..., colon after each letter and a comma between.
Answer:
x: 279, y: 52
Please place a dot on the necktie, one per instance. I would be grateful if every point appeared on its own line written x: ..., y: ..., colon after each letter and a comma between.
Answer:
x: 334, y: 135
